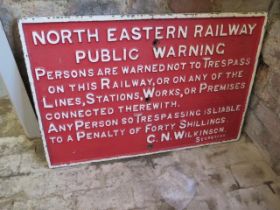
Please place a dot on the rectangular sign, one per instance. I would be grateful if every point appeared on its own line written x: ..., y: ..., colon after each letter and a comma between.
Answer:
x: 109, y: 87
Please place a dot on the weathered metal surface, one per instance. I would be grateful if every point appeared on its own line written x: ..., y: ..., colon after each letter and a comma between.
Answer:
x: 110, y: 87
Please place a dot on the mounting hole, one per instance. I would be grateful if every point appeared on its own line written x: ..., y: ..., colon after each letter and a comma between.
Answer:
x: 150, y: 146
x: 155, y: 42
x: 148, y: 99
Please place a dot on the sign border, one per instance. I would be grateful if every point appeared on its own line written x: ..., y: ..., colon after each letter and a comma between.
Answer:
x: 102, y: 18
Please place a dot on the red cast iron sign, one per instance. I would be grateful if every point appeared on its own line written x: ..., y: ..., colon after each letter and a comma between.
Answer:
x: 113, y: 87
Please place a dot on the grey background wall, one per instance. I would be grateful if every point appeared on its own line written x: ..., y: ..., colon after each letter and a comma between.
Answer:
x: 3, y: 91
x: 263, y: 117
